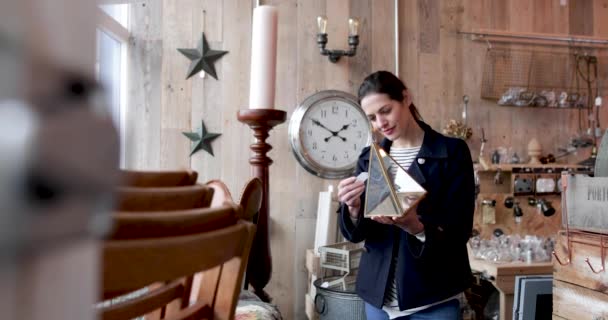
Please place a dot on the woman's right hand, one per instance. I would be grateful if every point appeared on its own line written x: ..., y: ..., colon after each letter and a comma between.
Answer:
x: 349, y: 192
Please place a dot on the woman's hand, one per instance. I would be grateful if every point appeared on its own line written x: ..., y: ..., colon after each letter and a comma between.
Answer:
x: 349, y: 192
x: 408, y: 221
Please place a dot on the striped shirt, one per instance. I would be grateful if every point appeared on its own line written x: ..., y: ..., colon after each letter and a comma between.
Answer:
x: 404, y: 157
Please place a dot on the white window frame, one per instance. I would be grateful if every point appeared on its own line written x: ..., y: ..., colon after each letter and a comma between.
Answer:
x: 113, y: 28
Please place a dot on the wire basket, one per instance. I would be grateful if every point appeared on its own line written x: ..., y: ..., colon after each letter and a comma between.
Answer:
x: 342, y: 256
x: 533, y: 70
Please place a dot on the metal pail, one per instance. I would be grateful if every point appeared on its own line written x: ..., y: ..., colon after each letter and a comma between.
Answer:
x: 334, y: 303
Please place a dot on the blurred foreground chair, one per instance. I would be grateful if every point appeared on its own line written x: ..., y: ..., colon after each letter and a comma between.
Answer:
x: 250, y: 198
x: 149, y: 179
x: 172, y: 247
x: 163, y: 198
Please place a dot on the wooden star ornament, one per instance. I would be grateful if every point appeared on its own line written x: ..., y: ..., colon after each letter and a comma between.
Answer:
x: 202, y: 58
x: 201, y: 139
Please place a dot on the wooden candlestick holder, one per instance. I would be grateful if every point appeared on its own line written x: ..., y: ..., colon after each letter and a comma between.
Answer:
x: 261, y: 121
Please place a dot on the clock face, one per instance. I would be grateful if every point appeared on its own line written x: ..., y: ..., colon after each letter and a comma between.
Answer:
x: 328, y: 132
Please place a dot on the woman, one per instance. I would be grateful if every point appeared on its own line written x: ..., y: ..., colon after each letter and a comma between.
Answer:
x: 414, y: 266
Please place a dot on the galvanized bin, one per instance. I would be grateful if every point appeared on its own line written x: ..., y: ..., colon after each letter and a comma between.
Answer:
x: 334, y: 303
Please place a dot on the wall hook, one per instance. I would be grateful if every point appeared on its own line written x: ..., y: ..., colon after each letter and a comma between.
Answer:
x: 560, y: 261
x: 602, y: 256
x: 591, y: 267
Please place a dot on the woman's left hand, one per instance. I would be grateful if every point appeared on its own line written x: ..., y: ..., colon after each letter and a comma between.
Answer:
x: 408, y: 221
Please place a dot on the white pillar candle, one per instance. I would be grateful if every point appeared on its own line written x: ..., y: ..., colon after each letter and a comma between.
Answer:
x: 263, y: 58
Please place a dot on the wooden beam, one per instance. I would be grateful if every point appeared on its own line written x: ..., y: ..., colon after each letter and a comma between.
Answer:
x: 101, y: 2
x: 111, y: 26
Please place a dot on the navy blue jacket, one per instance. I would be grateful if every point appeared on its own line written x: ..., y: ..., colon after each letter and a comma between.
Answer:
x: 438, y: 268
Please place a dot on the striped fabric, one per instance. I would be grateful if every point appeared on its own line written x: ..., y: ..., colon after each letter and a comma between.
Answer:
x: 404, y: 157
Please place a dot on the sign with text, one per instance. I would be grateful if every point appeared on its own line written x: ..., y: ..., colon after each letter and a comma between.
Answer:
x: 587, y: 203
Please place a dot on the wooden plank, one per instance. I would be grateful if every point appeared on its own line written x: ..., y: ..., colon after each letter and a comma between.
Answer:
x: 543, y: 16
x: 429, y: 101
x: 175, y: 150
x: 500, y: 13
x: 409, y: 35
x: 207, y: 94
x: 574, y: 302
x: 578, y: 271
x: 429, y: 24
x: 450, y: 51
x: 472, y: 59
x: 600, y: 12
x: 176, y: 91
x: 143, y: 114
x: 581, y: 17
x: 382, y: 44
x: 233, y: 89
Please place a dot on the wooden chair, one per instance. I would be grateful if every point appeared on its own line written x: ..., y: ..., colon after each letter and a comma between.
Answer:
x: 250, y: 198
x: 163, y: 198
x: 171, y: 258
x: 147, y: 179
x: 154, y: 224
x: 221, y: 194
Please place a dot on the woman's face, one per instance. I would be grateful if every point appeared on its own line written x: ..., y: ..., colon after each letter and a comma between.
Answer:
x: 387, y: 116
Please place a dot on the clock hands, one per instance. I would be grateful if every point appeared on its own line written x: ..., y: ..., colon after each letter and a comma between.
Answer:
x: 344, y: 127
x: 333, y: 133
x: 317, y: 122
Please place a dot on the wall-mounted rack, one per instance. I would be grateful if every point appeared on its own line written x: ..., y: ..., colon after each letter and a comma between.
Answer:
x: 549, y: 39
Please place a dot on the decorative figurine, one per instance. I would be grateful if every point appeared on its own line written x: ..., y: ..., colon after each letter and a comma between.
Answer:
x: 534, y: 151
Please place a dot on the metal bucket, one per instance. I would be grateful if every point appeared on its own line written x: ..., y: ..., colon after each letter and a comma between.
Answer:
x: 334, y: 303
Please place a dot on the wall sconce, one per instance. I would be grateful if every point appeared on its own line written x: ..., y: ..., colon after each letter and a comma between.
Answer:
x: 353, y: 39
x: 543, y: 205
x: 517, y: 211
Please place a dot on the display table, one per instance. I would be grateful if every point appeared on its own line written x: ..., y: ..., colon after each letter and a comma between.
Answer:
x: 502, y: 276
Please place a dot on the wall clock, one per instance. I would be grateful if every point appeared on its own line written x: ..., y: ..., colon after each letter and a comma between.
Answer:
x: 327, y: 132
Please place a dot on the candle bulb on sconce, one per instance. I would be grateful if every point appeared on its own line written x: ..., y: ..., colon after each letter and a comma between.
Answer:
x: 322, y: 25
x: 353, y: 27
x: 353, y: 39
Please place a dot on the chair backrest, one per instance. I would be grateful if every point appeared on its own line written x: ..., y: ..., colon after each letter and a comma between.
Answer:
x: 251, y: 198
x: 148, y: 179
x: 221, y: 194
x: 172, y: 258
x: 155, y: 224
x: 163, y: 198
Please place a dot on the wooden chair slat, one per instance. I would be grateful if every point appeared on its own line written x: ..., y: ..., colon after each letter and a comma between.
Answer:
x: 221, y: 194
x: 128, y: 264
x: 147, y: 179
x: 138, y: 225
x: 196, y: 311
x: 149, y: 302
x: 163, y: 199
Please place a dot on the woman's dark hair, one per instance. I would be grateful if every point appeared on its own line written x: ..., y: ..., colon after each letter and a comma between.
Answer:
x: 387, y: 83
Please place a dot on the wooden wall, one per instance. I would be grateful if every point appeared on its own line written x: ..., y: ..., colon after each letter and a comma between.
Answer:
x: 438, y: 65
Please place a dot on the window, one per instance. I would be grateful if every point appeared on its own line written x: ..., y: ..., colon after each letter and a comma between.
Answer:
x: 111, y: 63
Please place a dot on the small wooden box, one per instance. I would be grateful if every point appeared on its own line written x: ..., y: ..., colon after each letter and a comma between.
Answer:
x: 313, y: 262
